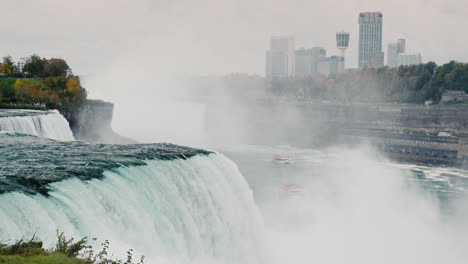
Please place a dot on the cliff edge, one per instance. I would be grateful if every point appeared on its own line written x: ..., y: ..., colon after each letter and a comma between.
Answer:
x: 93, y: 124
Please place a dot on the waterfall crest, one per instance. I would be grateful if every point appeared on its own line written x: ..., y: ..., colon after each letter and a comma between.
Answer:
x: 50, y: 124
x: 198, y: 210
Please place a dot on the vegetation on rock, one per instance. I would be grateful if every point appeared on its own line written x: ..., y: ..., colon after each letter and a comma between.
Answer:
x: 66, y: 251
x: 39, y: 83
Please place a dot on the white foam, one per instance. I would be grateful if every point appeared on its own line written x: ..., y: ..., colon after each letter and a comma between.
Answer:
x: 51, y: 125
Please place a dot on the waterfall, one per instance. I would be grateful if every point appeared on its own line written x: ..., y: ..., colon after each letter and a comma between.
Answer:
x: 50, y: 124
x: 198, y: 210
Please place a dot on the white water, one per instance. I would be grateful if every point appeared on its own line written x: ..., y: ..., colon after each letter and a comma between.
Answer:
x: 51, y: 125
x: 199, y: 210
x: 356, y: 209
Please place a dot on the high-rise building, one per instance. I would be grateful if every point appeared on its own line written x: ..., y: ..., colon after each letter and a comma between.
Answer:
x: 408, y: 59
x: 280, y: 57
x: 394, y: 49
x: 370, y: 36
x: 307, y: 60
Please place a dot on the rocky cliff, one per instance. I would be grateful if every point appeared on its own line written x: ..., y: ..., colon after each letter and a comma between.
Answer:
x: 93, y: 124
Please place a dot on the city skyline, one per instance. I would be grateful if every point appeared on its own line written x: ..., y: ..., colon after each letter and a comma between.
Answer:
x: 191, y: 38
x: 370, y: 49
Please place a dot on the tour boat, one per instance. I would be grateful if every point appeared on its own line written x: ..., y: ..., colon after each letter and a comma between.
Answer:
x: 282, y: 159
x: 291, y: 188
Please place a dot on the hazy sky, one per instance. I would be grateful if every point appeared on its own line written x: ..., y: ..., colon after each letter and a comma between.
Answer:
x: 216, y: 36
x: 128, y: 51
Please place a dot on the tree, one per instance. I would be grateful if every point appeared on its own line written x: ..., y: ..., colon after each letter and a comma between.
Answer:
x: 34, y: 66
x: 7, y: 66
x: 23, y: 87
x: 56, y: 67
x: 73, y: 86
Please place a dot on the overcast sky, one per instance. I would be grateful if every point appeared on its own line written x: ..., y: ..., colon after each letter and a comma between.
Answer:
x: 217, y: 36
x: 129, y: 51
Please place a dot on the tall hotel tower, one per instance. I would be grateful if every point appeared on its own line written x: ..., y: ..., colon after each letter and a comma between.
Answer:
x: 280, y: 58
x: 370, y: 39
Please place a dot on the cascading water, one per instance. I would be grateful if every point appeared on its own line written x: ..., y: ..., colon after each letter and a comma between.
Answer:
x: 172, y: 204
x: 48, y: 124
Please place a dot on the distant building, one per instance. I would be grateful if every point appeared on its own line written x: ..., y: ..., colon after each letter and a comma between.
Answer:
x: 397, y: 55
x: 307, y: 60
x: 342, y: 42
x: 454, y: 95
x: 370, y: 36
x: 393, y: 50
x: 392, y: 54
x: 324, y: 66
x: 333, y: 64
x: 401, y: 45
x: 280, y: 57
x: 408, y: 59
x: 336, y: 64
x: 375, y: 60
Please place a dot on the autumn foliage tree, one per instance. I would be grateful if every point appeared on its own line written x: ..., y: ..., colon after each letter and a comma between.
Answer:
x: 37, y: 67
x: 73, y: 86
x: 7, y: 67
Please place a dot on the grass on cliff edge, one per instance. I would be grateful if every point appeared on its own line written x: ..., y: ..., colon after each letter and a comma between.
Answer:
x: 66, y: 251
x: 47, y: 258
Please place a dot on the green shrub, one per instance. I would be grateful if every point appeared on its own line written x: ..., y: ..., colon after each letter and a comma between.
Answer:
x: 69, y: 248
x: 66, y: 251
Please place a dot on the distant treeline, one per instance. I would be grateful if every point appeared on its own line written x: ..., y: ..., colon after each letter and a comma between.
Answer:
x: 406, y: 84
x: 34, y: 67
x: 40, y: 82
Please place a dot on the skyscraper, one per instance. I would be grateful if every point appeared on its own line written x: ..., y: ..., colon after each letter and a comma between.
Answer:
x: 370, y: 37
x: 280, y: 57
x: 393, y: 50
